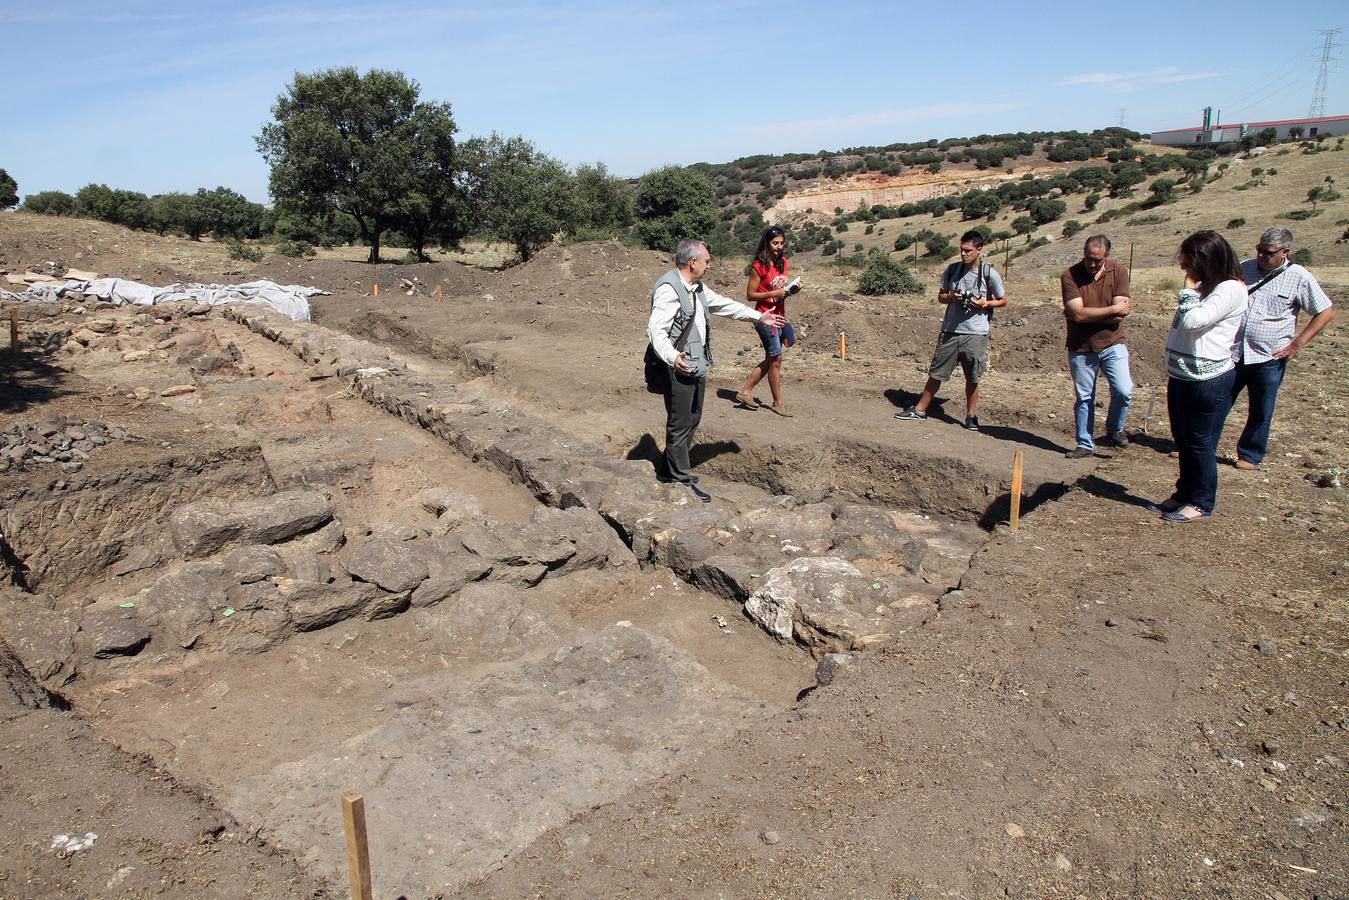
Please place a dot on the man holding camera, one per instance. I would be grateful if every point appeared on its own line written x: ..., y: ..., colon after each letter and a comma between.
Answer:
x: 1095, y: 302
x: 971, y: 289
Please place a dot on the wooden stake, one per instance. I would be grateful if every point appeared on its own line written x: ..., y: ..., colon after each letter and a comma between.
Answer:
x: 1131, y: 260
x: 358, y: 850
x: 440, y: 296
x: 843, y: 345
x: 1017, y: 462
x: 374, y: 290
x: 14, y: 328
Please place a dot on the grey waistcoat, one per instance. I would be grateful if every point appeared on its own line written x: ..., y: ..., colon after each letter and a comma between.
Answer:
x: 697, y: 353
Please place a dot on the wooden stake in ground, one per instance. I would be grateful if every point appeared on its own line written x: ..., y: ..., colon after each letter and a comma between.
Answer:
x: 440, y: 296
x: 14, y: 328
x: 1018, y: 461
x: 843, y: 346
x: 358, y: 849
x: 374, y: 290
x: 1131, y: 261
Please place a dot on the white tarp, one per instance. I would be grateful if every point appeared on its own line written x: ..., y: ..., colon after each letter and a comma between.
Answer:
x: 290, y: 299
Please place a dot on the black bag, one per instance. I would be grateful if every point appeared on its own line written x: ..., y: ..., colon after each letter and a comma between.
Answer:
x: 656, y: 371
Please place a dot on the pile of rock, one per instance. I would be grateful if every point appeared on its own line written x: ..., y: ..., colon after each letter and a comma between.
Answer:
x: 54, y: 438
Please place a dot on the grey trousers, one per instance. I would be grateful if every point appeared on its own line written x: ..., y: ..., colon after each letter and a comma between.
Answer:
x: 683, y: 412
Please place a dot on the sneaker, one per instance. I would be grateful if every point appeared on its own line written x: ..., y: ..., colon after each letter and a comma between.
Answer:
x: 746, y: 401
x: 1118, y: 440
x: 911, y: 413
x: 972, y: 423
x: 700, y: 493
x: 1079, y: 453
x: 782, y: 411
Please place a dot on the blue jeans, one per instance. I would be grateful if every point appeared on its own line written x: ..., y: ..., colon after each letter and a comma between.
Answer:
x: 1114, y: 362
x: 1261, y: 381
x: 775, y: 338
x: 1197, y: 410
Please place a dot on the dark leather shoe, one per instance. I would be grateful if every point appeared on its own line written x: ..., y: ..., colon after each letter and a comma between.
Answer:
x: 700, y: 493
x: 1079, y: 453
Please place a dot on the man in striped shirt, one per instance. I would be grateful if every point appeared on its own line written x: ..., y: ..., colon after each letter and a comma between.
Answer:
x: 1279, y: 290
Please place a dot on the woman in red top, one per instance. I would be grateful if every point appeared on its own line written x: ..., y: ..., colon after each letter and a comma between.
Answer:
x: 767, y: 290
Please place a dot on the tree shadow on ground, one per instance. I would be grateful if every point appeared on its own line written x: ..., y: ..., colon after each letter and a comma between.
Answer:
x: 25, y: 380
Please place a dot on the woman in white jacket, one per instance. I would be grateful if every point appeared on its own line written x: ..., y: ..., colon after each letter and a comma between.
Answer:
x: 1199, y: 363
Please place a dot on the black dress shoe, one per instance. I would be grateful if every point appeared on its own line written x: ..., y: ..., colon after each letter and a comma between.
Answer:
x: 700, y: 493
x: 693, y: 479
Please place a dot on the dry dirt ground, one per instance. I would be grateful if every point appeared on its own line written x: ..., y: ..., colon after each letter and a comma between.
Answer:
x: 1103, y: 705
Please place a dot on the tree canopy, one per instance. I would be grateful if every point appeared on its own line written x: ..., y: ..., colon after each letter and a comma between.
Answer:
x: 674, y: 203
x: 365, y: 146
x: 9, y: 190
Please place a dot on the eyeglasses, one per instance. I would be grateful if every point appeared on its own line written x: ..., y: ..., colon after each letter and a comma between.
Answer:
x: 1261, y: 251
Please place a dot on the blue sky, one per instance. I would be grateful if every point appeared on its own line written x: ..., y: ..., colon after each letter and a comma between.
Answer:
x: 158, y: 96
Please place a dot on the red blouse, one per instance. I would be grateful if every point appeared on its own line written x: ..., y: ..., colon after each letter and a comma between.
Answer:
x: 771, y: 278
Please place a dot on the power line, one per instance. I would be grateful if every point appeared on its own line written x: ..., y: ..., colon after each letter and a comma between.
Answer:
x: 1318, y: 107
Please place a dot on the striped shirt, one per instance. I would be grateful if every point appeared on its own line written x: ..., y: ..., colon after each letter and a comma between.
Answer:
x: 1272, y: 319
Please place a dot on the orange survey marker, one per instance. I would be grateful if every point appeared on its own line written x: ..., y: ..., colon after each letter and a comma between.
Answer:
x: 374, y: 290
x: 440, y: 297
x: 843, y: 345
x: 1018, y: 461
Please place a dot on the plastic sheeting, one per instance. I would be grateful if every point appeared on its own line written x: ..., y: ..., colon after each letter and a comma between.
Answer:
x: 290, y: 299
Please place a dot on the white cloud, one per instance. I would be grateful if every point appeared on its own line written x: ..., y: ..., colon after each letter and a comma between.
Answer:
x: 1123, y: 82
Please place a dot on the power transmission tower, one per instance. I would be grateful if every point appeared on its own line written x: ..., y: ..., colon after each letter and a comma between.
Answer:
x: 1122, y: 111
x: 1318, y: 107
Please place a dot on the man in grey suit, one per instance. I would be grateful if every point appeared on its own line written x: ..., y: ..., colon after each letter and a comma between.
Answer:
x: 680, y: 305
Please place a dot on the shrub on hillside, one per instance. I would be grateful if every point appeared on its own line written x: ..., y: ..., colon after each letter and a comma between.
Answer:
x: 52, y: 203
x: 938, y: 245
x: 1072, y: 227
x: 1235, y: 223
x: 238, y: 250
x: 293, y: 249
x: 884, y: 275
x: 1302, y: 256
x: 904, y: 241
x: 1091, y: 201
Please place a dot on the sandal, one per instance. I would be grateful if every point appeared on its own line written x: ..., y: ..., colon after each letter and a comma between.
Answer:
x: 1186, y: 513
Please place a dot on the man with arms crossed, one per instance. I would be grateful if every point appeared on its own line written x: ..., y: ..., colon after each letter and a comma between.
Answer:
x: 678, y: 298
x: 971, y: 290
x: 1279, y: 290
x: 1095, y: 302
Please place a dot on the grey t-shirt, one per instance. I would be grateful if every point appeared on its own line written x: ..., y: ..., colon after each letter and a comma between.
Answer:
x: 958, y: 278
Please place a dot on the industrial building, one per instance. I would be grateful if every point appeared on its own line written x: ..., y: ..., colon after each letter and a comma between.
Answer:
x: 1212, y: 133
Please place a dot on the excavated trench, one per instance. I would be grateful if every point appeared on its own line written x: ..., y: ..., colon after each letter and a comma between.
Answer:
x: 304, y: 564
x: 935, y: 480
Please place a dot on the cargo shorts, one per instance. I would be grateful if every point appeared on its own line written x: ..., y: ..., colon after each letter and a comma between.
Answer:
x: 970, y: 350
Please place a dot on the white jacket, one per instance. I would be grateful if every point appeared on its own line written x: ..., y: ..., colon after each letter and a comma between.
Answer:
x: 1205, y: 330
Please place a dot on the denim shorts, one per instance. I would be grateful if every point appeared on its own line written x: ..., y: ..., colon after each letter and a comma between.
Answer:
x: 774, y: 339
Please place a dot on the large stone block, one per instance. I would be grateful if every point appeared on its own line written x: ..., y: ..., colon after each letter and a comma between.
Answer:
x: 202, y: 528
x: 389, y: 563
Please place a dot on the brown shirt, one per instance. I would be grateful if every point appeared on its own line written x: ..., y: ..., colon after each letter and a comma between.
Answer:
x: 1096, y: 293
